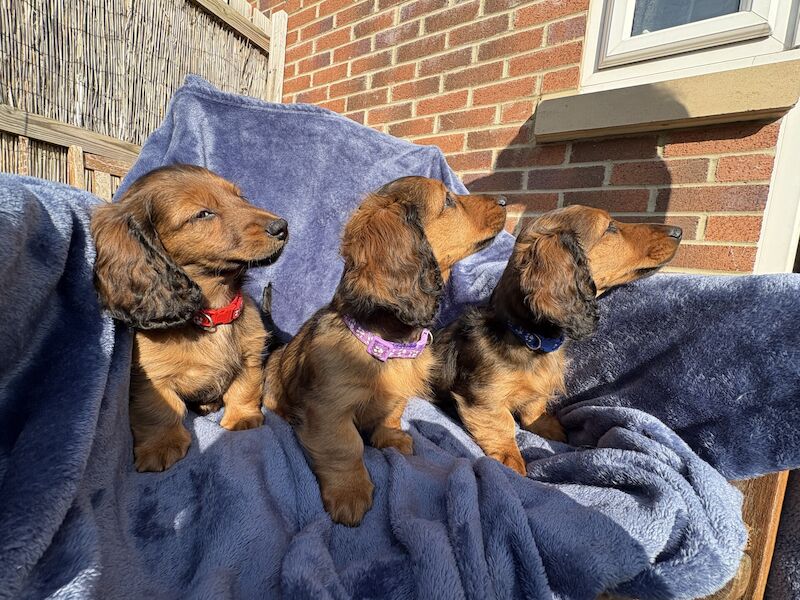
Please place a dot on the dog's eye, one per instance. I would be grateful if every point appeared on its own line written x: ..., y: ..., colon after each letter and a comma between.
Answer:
x: 612, y: 228
x: 204, y: 214
x: 449, y: 201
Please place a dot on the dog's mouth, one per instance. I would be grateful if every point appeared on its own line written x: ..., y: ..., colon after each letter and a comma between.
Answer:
x: 267, y: 260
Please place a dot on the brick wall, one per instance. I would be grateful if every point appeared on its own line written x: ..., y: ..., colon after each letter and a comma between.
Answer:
x: 466, y: 76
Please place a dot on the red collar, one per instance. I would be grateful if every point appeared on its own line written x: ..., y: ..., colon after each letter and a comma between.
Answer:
x: 209, y: 318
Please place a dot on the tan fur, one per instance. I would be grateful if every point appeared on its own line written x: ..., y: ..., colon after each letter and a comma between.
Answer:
x: 324, y: 382
x: 489, y: 374
x: 181, y: 362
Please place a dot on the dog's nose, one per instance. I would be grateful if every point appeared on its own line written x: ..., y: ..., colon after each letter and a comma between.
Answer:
x: 675, y: 232
x: 278, y: 228
x: 502, y: 200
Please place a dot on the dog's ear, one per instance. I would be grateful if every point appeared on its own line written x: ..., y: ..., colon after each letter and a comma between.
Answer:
x: 135, y: 278
x: 557, y: 283
x: 389, y: 264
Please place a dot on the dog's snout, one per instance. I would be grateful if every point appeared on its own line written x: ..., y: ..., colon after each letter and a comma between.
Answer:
x: 502, y: 200
x: 675, y: 232
x: 278, y: 228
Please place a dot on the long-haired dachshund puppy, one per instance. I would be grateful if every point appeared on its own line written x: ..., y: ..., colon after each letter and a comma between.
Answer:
x: 354, y: 364
x: 507, y: 358
x: 171, y: 256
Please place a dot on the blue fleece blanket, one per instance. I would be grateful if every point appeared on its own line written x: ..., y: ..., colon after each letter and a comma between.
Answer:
x: 631, y: 508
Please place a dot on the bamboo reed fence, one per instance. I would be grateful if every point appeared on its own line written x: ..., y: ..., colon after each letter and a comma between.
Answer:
x: 100, y: 73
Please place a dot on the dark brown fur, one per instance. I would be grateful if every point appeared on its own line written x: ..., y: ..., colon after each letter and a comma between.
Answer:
x: 561, y: 262
x: 159, y: 261
x: 398, y: 248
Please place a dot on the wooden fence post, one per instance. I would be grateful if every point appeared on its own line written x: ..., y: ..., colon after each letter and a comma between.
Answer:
x: 75, y: 175
x: 277, y: 56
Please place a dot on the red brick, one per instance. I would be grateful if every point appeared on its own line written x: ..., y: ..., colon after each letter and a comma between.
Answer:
x: 297, y: 84
x: 386, y: 3
x: 314, y: 62
x: 502, y: 92
x: 329, y: 75
x: 546, y: 59
x: 516, y: 112
x: 467, y: 78
x: 412, y: 127
x: 532, y: 202
x: 478, y: 31
x: 453, y: 142
x: 337, y: 105
x: 328, y: 7
x: 354, y: 13
x: 415, y: 89
x: 739, y: 137
x: 289, y: 70
x: 292, y: 37
x: 393, y: 75
x: 371, y: 63
x: 556, y: 81
x: 352, y: 50
x: 467, y: 119
x: 687, y: 224
x: 419, y: 8
x: 563, y: 179
x: 452, y: 17
x: 611, y: 200
x: 312, y: 96
x: 493, y: 6
x: 614, y: 149
x: 332, y: 39
x: 315, y: 29
x: 510, y: 44
x: 299, y: 52
x: 387, y: 114
x: 366, y: 100
x: 445, y: 62
x: 298, y: 19
x: 548, y: 10
x: 391, y: 37
x: 660, y: 172
x: 715, y: 258
x: 470, y: 161
x: 358, y: 117
x: 373, y: 25
x: 348, y: 86
x: 420, y: 48
x: 498, y: 137
x: 566, y: 30
x: 443, y: 103
x: 499, y: 181
x: 532, y: 156
x: 733, y: 229
x: 713, y: 198
x: 749, y: 167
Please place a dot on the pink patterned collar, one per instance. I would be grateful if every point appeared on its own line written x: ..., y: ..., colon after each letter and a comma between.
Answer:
x: 383, y: 349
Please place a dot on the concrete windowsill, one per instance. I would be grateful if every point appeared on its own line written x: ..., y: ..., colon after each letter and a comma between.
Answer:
x: 753, y: 93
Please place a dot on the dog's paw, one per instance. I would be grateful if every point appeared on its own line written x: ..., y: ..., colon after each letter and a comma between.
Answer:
x: 235, y: 421
x: 347, y: 504
x: 161, y: 454
x: 513, y: 460
x: 548, y: 427
x: 386, y: 437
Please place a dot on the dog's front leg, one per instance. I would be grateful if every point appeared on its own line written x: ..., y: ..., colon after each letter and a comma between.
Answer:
x: 388, y: 433
x: 336, y: 450
x: 159, y: 437
x: 533, y: 416
x: 243, y: 398
x: 493, y: 427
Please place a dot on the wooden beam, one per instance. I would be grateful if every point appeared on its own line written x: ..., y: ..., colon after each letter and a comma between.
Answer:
x: 75, y: 176
x: 235, y: 21
x: 95, y: 162
x: 61, y: 134
x: 277, y: 57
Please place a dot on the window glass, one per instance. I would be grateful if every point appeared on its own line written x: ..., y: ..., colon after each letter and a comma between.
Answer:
x: 654, y: 15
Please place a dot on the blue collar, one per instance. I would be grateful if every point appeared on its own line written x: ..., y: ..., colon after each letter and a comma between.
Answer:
x: 534, y: 341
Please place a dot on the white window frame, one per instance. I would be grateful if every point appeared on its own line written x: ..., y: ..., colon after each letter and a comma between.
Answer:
x: 762, y: 31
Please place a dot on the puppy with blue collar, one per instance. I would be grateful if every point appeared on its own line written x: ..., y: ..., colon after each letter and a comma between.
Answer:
x: 507, y: 358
